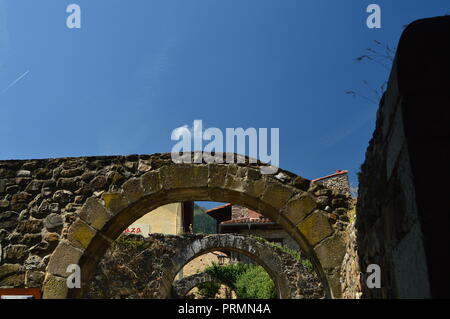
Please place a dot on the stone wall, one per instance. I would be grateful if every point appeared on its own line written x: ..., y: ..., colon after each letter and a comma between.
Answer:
x: 400, y: 223
x: 271, y: 234
x: 337, y: 182
x: 57, y: 212
x: 141, y: 268
x: 351, y: 278
x: 40, y: 199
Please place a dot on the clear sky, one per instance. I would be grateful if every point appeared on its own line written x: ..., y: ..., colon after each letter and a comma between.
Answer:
x: 138, y: 69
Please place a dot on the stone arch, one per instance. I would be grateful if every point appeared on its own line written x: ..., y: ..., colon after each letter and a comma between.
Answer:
x: 182, y: 287
x: 289, y: 200
x: 288, y: 274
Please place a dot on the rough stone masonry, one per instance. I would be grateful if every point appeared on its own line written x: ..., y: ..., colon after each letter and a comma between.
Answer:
x: 56, y: 212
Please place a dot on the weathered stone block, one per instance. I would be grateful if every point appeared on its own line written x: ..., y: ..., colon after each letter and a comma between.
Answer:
x: 63, y: 197
x: 51, y: 237
x: 302, y: 183
x: 34, y: 187
x: 315, y: 227
x: 29, y: 226
x: 115, y: 202
x: 115, y: 178
x: 255, y: 188
x: 133, y: 190
x: 8, y: 220
x: 331, y: 251
x: 14, y: 281
x: 31, y: 239
x: 33, y: 262
x: 16, y: 253
x: 63, y: 256
x: 53, y: 221
x: 151, y: 182
x: 23, y: 173
x: 43, y: 173
x: 277, y: 195
x: 34, y: 279
x: 217, y: 175
x: 55, y: 287
x: 299, y: 207
x: 183, y: 176
x: 9, y: 269
x: 339, y: 203
x: 70, y: 184
x: 98, y: 183
x: 323, y: 201
x: 71, y: 172
x: 20, y: 201
x: 80, y: 234
x: 94, y: 213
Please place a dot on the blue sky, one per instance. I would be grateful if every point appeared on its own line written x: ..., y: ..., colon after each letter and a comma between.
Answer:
x: 138, y: 69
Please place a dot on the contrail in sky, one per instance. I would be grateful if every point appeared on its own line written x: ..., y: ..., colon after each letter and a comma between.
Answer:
x: 14, y: 82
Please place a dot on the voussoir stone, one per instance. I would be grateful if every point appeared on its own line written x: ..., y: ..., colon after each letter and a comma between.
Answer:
x: 151, y: 182
x: 94, y: 213
x: 63, y: 256
x: 331, y: 251
x: 277, y: 195
x: 55, y: 287
x: 299, y: 207
x: 217, y: 175
x: 80, y: 234
x: 115, y: 202
x: 315, y: 227
x: 133, y: 189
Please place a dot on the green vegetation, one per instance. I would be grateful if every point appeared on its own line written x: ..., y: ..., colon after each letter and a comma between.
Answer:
x: 255, y: 283
x: 134, y: 244
x: 296, y: 254
x: 247, y: 280
x: 208, y: 289
x: 203, y: 223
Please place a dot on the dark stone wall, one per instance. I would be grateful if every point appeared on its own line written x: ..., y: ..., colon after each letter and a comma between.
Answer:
x: 401, y: 219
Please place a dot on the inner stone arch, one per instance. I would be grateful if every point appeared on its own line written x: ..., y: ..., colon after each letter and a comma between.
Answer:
x: 182, y: 287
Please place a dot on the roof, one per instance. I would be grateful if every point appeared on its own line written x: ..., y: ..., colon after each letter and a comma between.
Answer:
x: 220, y: 213
x: 217, y: 208
x: 247, y: 221
x: 338, y: 172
